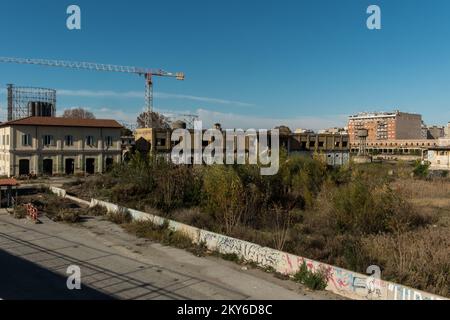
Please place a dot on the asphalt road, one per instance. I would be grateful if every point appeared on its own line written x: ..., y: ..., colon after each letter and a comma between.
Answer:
x: 115, y: 265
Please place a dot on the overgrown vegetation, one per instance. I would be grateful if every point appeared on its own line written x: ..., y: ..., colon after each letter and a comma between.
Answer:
x: 421, y: 170
x: 161, y: 234
x: 353, y: 217
x: 120, y: 217
x: 55, y: 208
x: 314, y: 280
x: 97, y: 211
x: 19, y: 212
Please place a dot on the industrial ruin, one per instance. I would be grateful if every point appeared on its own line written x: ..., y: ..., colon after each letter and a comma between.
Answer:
x: 26, y: 102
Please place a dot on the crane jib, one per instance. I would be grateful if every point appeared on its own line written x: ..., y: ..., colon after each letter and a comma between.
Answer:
x: 92, y: 66
x: 148, y: 73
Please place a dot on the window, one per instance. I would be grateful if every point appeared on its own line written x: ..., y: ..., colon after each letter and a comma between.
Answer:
x: 69, y: 141
x: 48, y: 140
x: 26, y: 140
x: 109, y: 141
x: 7, y: 139
x: 161, y: 142
x: 90, y: 141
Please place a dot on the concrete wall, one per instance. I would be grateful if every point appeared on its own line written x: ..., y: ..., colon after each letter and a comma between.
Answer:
x: 340, y: 281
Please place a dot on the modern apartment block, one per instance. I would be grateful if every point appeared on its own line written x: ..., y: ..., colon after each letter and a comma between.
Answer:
x: 50, y: 145
x: 386, y: 126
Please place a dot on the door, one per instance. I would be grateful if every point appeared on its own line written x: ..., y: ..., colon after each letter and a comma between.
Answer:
x: 48, y: 167
x: 70, y: 166
x: 90, y: 166
x: 109, y: 163
x: 24, y: 167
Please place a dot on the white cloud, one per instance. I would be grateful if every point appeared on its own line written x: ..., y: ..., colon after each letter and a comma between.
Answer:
x: 99, y: 94
x: 105, y: 113
x: 140, y: 95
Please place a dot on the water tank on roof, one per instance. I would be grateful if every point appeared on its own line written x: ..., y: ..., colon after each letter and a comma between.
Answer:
x: 179, y: 125
x: 362, y: 133
x: 40, y: 109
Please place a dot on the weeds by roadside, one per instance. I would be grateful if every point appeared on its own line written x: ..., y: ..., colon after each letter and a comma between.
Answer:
x: 121, y: 217
x: 67, y: 215
x: 19, y: 212
x: 161, y: 234
x: 313, y: 280
x: 97, y: 211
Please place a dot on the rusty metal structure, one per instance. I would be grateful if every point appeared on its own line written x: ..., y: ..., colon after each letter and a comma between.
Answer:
x: 30, y: 102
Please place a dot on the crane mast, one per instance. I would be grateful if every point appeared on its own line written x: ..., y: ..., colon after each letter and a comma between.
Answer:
x: 148, y: 74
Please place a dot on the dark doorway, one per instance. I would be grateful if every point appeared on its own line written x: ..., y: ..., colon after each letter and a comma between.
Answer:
x: 48, y: 167
x: 70, y: 166
x: 109, y: 163
x: 90, y: 166
x: 24, y: 167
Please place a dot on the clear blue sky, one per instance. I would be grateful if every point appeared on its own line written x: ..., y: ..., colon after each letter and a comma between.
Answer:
x: 308, y: 63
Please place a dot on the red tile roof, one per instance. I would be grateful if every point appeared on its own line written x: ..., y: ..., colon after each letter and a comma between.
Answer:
x: 8, y: 182
x: 63, y: 122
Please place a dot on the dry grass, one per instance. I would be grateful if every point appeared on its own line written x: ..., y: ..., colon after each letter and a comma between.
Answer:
x: 97, y: 211
x: 67, y: 215
x: 417, y: 189
x: 161, y: 234
x: 420, y: 259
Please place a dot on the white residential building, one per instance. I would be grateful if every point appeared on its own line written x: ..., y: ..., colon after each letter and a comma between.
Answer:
x: 50, y: 145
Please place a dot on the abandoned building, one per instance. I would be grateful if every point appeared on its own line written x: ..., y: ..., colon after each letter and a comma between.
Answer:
x: 51, y: 145
x: 334, y: 148
x: 438, y: 158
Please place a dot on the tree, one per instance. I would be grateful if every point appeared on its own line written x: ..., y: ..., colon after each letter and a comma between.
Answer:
x: 125, y: 132
x: 78, y: 113
x: 157, y: 120
x: 225, y: 196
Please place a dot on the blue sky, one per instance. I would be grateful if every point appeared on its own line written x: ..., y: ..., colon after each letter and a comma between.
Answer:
x: 304, y: 63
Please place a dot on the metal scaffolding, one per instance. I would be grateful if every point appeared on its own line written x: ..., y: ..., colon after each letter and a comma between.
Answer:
x: 28, y: 101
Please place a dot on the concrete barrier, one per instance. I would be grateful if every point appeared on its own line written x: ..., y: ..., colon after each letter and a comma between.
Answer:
x: 58, y: 191
x: 344, y: 282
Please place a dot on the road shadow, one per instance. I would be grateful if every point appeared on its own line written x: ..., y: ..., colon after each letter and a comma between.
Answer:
x: 23, y: 280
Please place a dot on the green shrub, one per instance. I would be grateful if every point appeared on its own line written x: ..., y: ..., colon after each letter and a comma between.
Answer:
x: 20, y: 212
x: 421, y: 170
x: 66, y: 215
x: 313, y: 280
x: 233, y: 257
x: 362, y: 207
x: 224, y: 196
